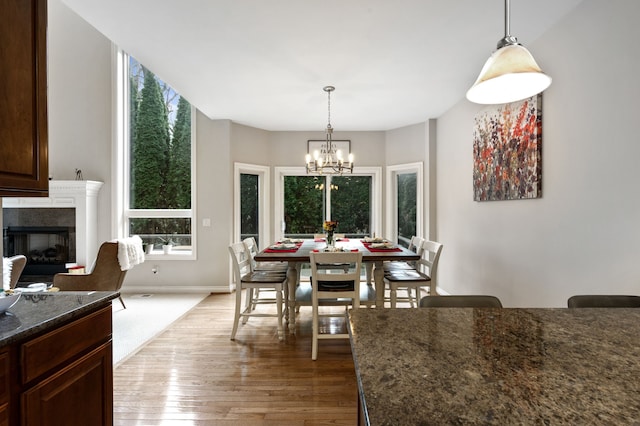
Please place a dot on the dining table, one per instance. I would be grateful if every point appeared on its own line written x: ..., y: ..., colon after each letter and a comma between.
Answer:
x: 497, y: 366
x: 297, y: 252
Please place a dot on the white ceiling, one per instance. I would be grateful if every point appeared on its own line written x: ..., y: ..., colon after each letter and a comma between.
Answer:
x: 264, y: 63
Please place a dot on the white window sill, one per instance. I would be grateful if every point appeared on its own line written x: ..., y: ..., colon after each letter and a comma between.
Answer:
x: 173, y: 255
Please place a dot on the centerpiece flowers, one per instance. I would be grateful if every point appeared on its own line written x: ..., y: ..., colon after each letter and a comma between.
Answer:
x: 330, y: 226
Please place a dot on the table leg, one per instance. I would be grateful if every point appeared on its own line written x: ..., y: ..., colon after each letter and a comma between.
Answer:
x: 368, y: 267
x: 292, y: 282
x: 378, y: 277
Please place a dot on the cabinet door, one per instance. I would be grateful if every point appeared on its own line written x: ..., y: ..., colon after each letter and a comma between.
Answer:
x: 23, y: 97
x: 80, y: 394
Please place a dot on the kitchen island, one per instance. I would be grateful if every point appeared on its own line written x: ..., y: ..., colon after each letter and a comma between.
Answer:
x: 497, y: 366
x: 56, y: 359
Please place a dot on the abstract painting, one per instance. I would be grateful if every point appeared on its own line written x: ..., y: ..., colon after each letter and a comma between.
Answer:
x: 507, y: 151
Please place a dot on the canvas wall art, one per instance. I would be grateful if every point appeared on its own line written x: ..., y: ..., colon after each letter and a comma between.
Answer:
x: 507, y: 151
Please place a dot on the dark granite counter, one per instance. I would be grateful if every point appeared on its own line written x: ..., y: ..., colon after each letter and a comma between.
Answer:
x: 36, y: 312
x: 497, y: 366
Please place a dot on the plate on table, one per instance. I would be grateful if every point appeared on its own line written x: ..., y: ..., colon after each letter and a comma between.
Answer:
x: 287, y: 246
x: 291, y: 241
x: 386, y: 245
x: 377, y: 240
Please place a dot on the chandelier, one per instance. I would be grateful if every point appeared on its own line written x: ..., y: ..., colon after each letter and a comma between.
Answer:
x: 329, y: 159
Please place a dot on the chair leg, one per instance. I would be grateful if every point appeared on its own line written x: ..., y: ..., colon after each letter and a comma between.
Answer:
x: 279, y: 310
x: 122, y: 301
x: 236, y: 318
x: 393, y: 295
x: 314, y: 326
x: 411, y: 298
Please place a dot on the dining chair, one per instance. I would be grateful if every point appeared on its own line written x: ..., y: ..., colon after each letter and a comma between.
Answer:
x: 415, y: 245
x: 333, y: 287
x: 252, y: 249
x: 603, y: 301
x: 413, y: 280
x: 460, y: 301
x: 253, y: 296
x: 246, y: 279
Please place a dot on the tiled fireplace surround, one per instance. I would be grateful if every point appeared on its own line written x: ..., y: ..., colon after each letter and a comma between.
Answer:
x: 66, y: 199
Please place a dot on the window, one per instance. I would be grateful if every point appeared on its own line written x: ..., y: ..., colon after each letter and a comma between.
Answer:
x: 251, y: 203
x: 156, y: 187
x: 304, y: 201
x: 405, y: 200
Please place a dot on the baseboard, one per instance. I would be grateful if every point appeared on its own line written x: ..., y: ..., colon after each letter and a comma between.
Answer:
x: 167, y: 289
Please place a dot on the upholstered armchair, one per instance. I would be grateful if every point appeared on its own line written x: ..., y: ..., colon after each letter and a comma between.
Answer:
x: 13, y: 267
x: 106, y: 275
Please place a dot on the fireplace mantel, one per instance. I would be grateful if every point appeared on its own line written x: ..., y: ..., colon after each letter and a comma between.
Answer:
x: 79, y: 194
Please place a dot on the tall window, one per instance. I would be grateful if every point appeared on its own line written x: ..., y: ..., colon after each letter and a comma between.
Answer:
x: 249, y: 207
x: 404, y: 202
x: 158, y: 161
x: 407, y: 202
x: 251, y: 202
x: 310, y: 200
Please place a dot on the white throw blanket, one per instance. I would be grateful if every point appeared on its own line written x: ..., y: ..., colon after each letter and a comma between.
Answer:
x: 130, y: 252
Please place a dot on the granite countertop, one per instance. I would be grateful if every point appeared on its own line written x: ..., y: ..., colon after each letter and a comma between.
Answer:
x: 36, y: 312
x: 497, y: 366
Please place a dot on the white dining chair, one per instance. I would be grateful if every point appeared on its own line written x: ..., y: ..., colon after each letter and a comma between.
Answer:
x: 413, y: 280
x: 254, y: 296
x: 415, y: 245
x: 249, y: 280
x: 333, y: 287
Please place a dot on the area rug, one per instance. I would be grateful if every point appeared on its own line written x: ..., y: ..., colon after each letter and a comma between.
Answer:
x: 146, y: 316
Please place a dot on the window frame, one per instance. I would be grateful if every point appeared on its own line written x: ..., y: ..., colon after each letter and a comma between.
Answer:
x: 376, y: 195
x: 122, y: 166
x: 392, y: 197
x: 264, y: 185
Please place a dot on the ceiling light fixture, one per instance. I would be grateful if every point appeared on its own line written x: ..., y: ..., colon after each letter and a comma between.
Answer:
x: 329, y: 159
x: 510, y: 74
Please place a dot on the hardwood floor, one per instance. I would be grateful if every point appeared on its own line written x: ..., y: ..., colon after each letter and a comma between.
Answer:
x: 193, y: 374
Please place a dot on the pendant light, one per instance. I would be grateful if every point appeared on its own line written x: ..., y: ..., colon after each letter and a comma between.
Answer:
x: 510, y: 74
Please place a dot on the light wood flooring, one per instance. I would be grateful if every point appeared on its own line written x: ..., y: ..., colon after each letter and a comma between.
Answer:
x: 193, y: 374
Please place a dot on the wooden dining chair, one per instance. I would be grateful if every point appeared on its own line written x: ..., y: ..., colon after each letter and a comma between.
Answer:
x: 333, y: 287
x: 460, y: 301
x: 603, y: 301
x: 413, y: 280
x: 246, y: 279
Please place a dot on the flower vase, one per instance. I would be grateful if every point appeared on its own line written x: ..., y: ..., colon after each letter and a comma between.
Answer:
x: 330, y: 240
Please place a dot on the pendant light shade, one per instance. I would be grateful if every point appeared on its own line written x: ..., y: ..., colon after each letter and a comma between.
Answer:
x: 510, y: 74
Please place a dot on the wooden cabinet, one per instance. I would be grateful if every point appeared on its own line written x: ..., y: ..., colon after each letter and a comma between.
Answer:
x: 24, y: 161
x: 61, y: 377
x: 79, y: 394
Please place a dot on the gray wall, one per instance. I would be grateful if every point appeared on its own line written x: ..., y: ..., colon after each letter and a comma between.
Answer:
x: 582, y: 235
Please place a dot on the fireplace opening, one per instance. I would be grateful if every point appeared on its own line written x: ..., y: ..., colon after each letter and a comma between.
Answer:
x: 46, y: 236
x: 47, y: 248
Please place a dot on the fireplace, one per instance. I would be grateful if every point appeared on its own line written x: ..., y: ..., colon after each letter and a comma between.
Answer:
x: 53, y: 231
x: 47, y: 248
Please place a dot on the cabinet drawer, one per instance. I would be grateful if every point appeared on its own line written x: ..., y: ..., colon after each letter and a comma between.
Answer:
x: 65, y: 343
